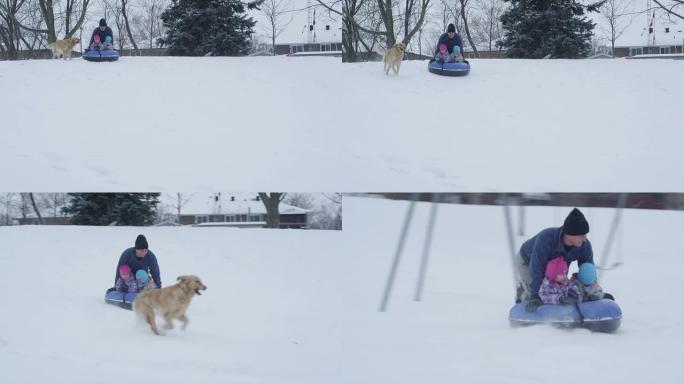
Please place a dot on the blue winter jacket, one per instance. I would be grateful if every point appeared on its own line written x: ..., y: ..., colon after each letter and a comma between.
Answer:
x: 547, y: 245
x: 147, y: 263
x: 103, y: 34
x: 450, y: 43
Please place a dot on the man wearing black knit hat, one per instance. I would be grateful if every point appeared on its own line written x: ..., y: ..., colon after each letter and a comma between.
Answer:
x: 140, y: 258
x: 102, y: 37
x: 569, y: 241
x: 453, y: 43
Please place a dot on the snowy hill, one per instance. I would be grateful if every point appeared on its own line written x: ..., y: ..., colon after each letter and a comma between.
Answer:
x: 300, y: 306
x: 314, y: 124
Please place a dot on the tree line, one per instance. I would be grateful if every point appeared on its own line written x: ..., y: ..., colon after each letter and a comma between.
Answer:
x: 517, y: 28
x: 142, y: 209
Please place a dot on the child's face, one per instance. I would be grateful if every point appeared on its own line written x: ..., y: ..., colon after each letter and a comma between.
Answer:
x: 125, y: 275
x: 560, y: 278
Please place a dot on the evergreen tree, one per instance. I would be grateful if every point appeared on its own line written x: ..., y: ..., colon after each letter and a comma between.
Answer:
x: 200, y: 27
x: 537, y: 28
x: 107, y: 208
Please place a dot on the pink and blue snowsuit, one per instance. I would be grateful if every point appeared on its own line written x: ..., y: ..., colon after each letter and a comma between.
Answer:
x: 551, y: 291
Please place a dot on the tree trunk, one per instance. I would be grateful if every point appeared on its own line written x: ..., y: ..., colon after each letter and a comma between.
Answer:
x: 128, y: 26
x: 271, y: 203
x: 273, y: 37
x: 465, y: 26
x: 35, y: 208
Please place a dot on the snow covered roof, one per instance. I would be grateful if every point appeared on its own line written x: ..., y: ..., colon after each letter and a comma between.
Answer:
x: 317, y: 53
x: 221, y: 204
x: 667, y: 30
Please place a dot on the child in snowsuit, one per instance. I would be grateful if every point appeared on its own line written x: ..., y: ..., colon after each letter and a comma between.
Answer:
x: 556, y: 288
x: 126, y: 281
x: 585, y: 280
x: 143, y: 279
x: 442, y: 55
x: 97, y: 44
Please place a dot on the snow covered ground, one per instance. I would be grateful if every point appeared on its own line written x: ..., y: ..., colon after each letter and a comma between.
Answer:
x: 301, y: 306
x: 314, y: 124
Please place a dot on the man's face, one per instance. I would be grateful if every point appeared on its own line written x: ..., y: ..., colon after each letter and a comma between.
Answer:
x: 451, y: 34
x: 141, y: 252
x: 574, y: 240
x: 103, y: 27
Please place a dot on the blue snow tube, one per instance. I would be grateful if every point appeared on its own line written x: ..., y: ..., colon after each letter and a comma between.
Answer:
x: 599, y: 316
x: 106, y: 55
x: 121, y: 299
x: 449, y: 69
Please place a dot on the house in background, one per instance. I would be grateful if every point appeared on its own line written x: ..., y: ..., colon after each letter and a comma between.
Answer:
x: 651, y: 33
x: 322, y: 38
x: 47, y: 220
x: 221, y: 210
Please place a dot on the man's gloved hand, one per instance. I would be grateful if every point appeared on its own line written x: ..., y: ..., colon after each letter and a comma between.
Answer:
x: 570, y: 298
x: 534, y: 303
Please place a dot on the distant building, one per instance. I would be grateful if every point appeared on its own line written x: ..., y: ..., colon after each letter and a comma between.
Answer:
x: 227, y: 211
x: 302, y: 49
x: 651, y: 33
x: 61, y: 220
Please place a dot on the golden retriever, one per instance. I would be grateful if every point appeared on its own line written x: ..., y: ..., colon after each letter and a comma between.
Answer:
x: 63, y: 47
x: 393, y: 57
x: 170, y: 302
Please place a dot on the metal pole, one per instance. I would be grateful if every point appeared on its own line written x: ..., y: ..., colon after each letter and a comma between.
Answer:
x: 397, y: 254
x: 521, y: 220
x: 622, y: 202
x: 509, y: 233
x: 426, y: 249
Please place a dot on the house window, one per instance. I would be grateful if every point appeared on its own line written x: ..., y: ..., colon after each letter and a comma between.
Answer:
x: 201, y: 219
x: 664, y: 50
x: 296, y: 48
x: 634, y: 51
x: 325, y: 48
x: 243, y: 218
x: 230, y: 219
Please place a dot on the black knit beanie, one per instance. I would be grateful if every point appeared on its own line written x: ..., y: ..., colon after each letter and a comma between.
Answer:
x: 141, y: 242
x: 451, y: 28
x: 575, y: 224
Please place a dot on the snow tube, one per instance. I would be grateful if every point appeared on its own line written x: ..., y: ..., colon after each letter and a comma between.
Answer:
x: 449, y: 69
x: 106, y: 55
x: 120, y: 299
x: 599, y: 316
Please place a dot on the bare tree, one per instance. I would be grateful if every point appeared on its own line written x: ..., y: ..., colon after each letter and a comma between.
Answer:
x: 616, y: 14
x: 491, y: 11
x: 124, y: 14
x: 672, y: 7
x: 271, y: 202
x: 35, y: 208
x: 411, y: 15
x: 301, y: 200
x: 8, y: 204
x: 411, y: 7
x: 329, y: 214
x: 53, y: 202
x: 275, y: 12
x: 113, y: 10
x: 179, y: 201
x: 464, y: 16
x: 149, y: 21
x: 10, y: 32
x: 50, y: 15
